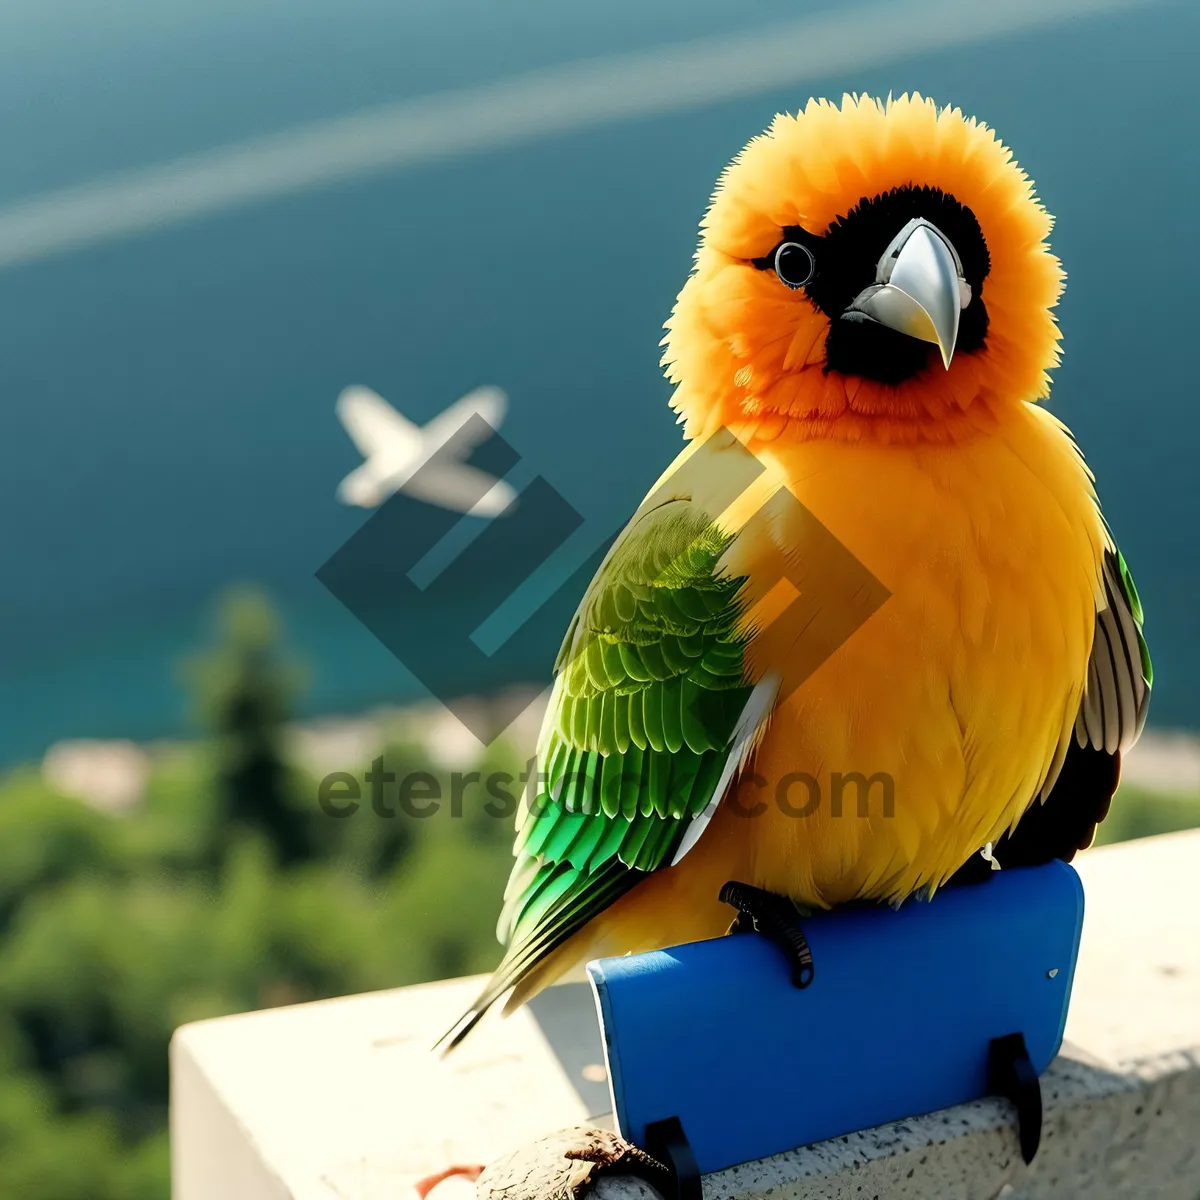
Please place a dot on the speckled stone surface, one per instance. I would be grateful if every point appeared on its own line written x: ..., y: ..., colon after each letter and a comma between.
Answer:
x: 1132, y: 1134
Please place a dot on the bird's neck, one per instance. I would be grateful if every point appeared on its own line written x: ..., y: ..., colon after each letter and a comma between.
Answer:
x: 936, y: 408
x: 880, y: 427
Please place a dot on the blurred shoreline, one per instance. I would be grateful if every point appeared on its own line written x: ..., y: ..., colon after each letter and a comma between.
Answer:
x: 110, y: 774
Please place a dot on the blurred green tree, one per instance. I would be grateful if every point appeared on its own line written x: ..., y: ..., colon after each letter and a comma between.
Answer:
x: 227, y: 889
x: 244, y: 690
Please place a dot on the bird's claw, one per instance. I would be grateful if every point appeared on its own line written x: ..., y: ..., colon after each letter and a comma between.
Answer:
x: 775, y: 918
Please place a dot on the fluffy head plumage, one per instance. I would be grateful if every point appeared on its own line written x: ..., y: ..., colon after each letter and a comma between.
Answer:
x: 749, y: 354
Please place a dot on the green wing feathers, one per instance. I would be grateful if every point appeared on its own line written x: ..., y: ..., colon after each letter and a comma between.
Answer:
x: 1120, y: 674
x: 1123, y: 580
x: 650, y: 684
x: 649, y: 690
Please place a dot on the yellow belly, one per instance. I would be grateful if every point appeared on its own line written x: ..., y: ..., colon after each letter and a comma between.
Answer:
x: 929, y: 730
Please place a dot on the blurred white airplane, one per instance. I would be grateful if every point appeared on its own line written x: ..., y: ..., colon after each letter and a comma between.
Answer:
x: 423, y: 461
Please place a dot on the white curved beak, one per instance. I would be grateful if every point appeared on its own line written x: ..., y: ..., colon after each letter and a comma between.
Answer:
x: 919, y: 288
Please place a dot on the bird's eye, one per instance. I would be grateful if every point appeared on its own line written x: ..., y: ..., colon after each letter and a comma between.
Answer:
x: 794, y: 264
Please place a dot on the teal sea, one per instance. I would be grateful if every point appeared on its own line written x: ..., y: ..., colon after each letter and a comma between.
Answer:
x: 168, y: 396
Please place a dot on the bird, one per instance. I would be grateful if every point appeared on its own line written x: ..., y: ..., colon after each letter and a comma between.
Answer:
x: 426, y: 461
x: 878, y: 560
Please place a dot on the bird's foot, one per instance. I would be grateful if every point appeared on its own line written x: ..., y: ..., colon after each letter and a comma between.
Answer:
x: 566, y: 1165
x: 775, y: 917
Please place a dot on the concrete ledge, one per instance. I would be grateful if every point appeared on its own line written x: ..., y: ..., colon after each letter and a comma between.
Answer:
x: 1129, y: 1133
x: 342, y: 1101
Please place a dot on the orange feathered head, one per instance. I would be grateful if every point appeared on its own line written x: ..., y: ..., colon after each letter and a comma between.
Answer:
x: 875, y: 269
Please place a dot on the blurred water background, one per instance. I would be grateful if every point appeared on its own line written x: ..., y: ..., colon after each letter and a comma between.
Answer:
x: 214, y: 215
x: 168, y: 388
